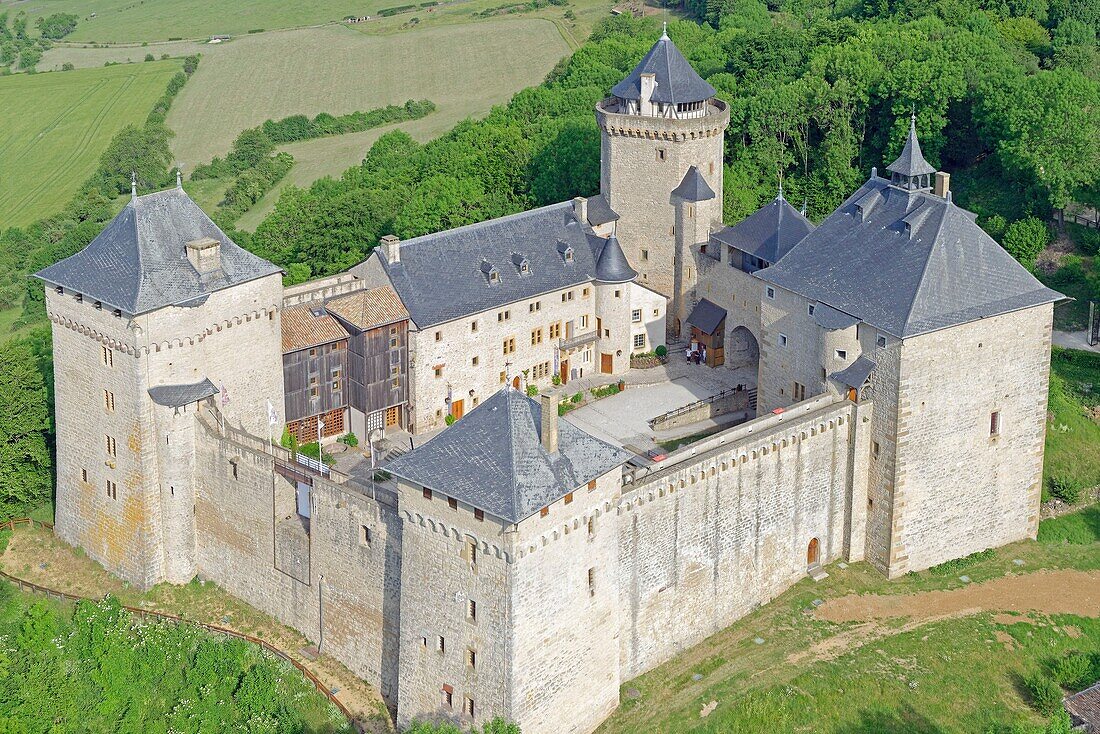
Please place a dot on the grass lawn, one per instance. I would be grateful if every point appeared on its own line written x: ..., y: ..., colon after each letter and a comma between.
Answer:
x: 464, y: 69
x: 1073, y: 437
x: 888, y: 676
x: 54, y: 127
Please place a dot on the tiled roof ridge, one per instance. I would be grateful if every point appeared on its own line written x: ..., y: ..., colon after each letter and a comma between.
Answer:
x: 419, y: 239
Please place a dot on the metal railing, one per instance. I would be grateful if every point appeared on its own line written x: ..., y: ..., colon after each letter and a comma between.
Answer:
x: 700, y: 403
x: 578, y: 340
x: 144, y: 614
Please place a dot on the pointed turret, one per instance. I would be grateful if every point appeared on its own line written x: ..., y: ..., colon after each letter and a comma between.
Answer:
x: 663, y: 84
x: 911, y: 170
x: 612, y: 265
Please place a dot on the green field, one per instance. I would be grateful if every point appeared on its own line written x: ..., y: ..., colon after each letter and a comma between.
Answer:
x: 463, y: 69
x: 54, y: 127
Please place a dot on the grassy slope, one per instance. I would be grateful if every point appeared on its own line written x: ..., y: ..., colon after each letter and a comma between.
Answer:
x: 464, y: 70
x: 955, y: 675
x: 1073, y: 438
x: 54, y: 127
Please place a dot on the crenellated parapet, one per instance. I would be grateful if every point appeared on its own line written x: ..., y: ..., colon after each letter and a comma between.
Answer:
x: 620, y: 124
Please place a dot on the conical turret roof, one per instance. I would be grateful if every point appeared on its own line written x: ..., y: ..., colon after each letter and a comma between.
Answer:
x: 911, y: 162
x: 612, y: 265
x: 677, y: 81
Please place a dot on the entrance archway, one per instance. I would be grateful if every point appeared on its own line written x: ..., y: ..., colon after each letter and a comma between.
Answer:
x: 742, y: 349
x: 813, y: 553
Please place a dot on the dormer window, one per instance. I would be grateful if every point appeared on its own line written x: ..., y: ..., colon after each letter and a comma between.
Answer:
x: 566, y: 251
x: 521, y: 263
x: 490, y: 272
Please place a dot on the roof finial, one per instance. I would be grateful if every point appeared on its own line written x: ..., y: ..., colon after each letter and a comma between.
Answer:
x: 179, y: 176
x: 664, y: 32
x: 133, y: 184
x: 805, y: 202
x: 780, y: 197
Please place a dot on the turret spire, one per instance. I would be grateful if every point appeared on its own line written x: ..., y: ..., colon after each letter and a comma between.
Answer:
x: 664, y: 32
x: 911, y: 170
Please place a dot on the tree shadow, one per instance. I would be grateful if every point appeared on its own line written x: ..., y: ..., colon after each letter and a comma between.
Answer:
x: 904, y: 720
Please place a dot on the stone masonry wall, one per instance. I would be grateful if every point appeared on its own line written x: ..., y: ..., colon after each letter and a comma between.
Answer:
x: 704, y: 542
x: 346, y: 600
x: 960, y: 489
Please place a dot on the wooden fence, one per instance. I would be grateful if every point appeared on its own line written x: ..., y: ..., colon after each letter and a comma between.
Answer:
x: 145, y: 614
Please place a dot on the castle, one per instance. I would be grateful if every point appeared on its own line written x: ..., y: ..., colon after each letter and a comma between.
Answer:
x: 515, y: 565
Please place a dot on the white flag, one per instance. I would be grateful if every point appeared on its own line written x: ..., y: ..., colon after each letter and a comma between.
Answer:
x: 272, y: 416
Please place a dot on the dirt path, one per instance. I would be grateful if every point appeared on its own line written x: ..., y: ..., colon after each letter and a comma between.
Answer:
x: 1050, y: 592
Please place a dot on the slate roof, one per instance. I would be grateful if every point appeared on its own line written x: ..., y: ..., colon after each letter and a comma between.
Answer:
x: 855, y: 374
x: 694, y: 187
x: 677, y: 81
x: 706, y: 316
x: 599, y: 211
x: 302, y: 328
x: 829, y: 318
x: 769, y: 233
x: 612, y: 265
x: 493, y: 459
x: 907, y: 263
x: 911, y: 162
x: 439, y: 277
x: 368, y: 309
x: 176, y: 396
x: 138, y: 263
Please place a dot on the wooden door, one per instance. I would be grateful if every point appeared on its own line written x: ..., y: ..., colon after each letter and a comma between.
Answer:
x: 458, y: 408
x: 812, y: 553
x: 564, y: 374
x: 515, y: 382
x: 605, y: 364
x: 393, y: 415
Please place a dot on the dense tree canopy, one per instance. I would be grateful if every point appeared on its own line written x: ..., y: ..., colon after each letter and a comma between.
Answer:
x: 26, y: 476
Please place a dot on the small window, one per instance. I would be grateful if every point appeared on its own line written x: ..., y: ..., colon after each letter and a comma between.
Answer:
x: 568, y: 498
x: 591, y: 526
x: 438, y: 369
x: 393, y: 342
x: 881, y: 341
x: 471, y: 658
x: 84, y: 475
x: 448, y: 696
x: 503, y: 376
x: 841, y: 354
x: 452, y: 503
x: 471, y: 610
x: 584, y: 292
x: 111, y: 446
x: 109, y: 401
x: 995, y: 423
x: 636, y: 315
x: 591, y: 485
x: 336, y: 386
x: 112, y: 490
x: 427, y: 493
x: 479, y: 515
x: 874, y: 449
x: 782, y: 340
x: 233, y: 468
x: 645, y: 255
x: 468, y: 706
x: 769, y: 292
x: 618, y: 294
x: 591, y: 582
x: 364, y: 535
x: 439, y: 336
x: 108, y: 357
x: 440, y: 644
x: 471, y: 551
x: 810, y: 309
x: 544, y: 511
x: 660, y: 154
x: 639, y: 341
x: 473, y: 326
x: 474, y: 360
x: 313, y: 352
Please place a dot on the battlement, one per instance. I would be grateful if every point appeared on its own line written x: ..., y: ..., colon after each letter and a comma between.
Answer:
x: 322, y: 289
x: 615, y: 122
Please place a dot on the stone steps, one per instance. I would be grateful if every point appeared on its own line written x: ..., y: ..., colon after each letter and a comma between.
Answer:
x: 817, y: 573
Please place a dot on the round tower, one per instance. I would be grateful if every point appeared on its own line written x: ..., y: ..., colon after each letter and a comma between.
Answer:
x: 658, y: 123
x: 614, y: 277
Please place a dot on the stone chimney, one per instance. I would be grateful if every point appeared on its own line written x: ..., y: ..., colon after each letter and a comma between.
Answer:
x: 391, y: 246
x: 580, y: 209
x: 943, y: 184
x: 649, y: 83
x: 205, y: 254
x: 550, y: 423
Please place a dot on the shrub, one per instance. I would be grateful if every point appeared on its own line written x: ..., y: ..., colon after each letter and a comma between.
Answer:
x: 532, y: 391
x: 150, y: 57
x: 577, y: 397
x: 1045, y: 694
x: 661, y: 350
x: 350, y: 439
x: 1077, y: 670
x: 1065, y: 489
x: 1025, y: 239
x: 450, y: 420
x: 556, y: 379
x: 1087, y: 240
x: 67, y: 66
x: 950, y: 568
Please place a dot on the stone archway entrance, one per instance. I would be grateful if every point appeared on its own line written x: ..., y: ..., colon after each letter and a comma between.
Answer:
x: 813, y: 553
x: 742, y: 349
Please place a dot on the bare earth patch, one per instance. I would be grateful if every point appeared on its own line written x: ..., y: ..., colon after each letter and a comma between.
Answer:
x: 40, y: 557
x: 1049, y: 592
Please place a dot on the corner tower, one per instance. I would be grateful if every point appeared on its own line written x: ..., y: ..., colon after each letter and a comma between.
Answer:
x: 659, y: 122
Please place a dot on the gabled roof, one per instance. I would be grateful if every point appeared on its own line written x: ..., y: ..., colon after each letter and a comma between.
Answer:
x: 139, y: 263
x: 368, y: 309
x: 493, y: 459
x: 693, y: 187
x: 612, y: 265
x: 855, y: 374
x: 441, y: 276
x: 769, y: 233
x: 910, y: 264
x: 307, y: 325
x: 677, y: 81
x: 599, y: 211
x: 911, y: 162
x: 176, y: 396
x: 707, y: 316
